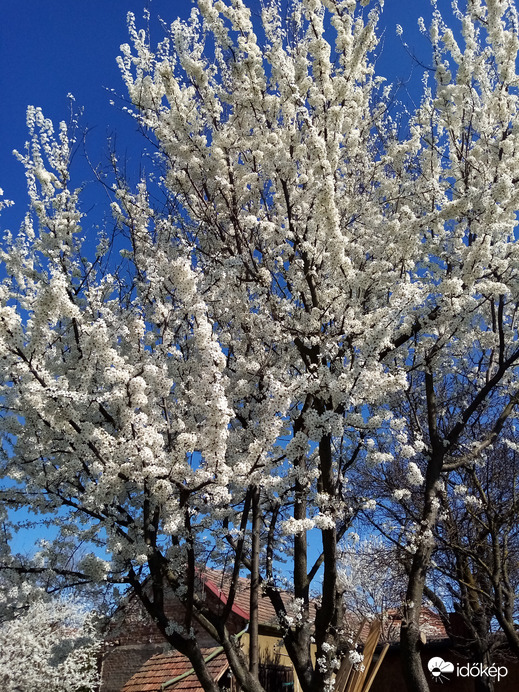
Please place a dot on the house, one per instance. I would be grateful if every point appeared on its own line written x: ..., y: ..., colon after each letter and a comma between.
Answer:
x: 137, y: 658
x: 432, y: 628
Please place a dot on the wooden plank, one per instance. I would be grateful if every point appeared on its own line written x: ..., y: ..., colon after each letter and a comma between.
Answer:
x: 359, y: 678
x: 367, y: 687
x: 343, y: 674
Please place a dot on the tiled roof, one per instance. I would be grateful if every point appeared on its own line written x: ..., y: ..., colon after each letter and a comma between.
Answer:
x: 218, y: 583
x: 431, y: 625
x: 163, y: 668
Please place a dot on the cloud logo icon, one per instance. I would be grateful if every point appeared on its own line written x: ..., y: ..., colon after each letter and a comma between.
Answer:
x: 438, y: 668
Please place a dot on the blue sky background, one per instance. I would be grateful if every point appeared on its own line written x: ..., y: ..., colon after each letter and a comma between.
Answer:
x: 52, y: 48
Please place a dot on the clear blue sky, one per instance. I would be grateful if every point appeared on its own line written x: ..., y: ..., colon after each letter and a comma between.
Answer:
x: 53, y: 47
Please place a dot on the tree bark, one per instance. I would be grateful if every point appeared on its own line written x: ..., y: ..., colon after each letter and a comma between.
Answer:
x: 414, y: 675
x: 410, y: 633
x: 254, y: 586
x: 483, y: 683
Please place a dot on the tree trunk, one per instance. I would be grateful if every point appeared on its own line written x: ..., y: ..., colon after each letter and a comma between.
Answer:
x: 254, y: 586
x: 414, y: 675
x: 484, y: 683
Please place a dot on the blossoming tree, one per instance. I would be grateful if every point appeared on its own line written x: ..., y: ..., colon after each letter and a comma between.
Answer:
x: 51, y: 646
x: 256, y: 338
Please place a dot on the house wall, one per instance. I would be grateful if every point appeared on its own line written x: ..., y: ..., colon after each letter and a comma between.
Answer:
x: 272, y: 651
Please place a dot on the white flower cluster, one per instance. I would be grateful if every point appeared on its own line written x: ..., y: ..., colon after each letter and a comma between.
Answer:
x: 414, y: 475
x: 52, y: 646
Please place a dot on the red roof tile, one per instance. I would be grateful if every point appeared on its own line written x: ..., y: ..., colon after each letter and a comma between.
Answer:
x: 431, y: 625
x: 218, y: 583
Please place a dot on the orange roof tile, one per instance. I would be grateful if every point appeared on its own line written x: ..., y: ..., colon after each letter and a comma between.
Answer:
x: 163, y: 668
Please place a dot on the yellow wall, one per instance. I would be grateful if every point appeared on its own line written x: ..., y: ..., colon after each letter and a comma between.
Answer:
x: 272, y: 650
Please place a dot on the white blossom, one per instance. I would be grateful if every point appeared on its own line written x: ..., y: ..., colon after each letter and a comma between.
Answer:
x: 414, y: 475
x: 52, y: 646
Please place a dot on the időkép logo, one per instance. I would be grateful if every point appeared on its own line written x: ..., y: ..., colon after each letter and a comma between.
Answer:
x: 440, y: 670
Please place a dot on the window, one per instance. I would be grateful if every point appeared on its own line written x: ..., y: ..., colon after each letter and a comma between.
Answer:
x: 276, y: 678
